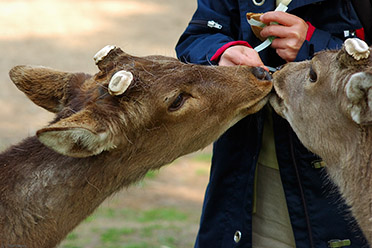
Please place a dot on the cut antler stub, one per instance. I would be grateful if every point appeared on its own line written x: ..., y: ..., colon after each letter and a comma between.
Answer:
x: 101, y: 54
x: 120, y: 82
x: 356, y: 48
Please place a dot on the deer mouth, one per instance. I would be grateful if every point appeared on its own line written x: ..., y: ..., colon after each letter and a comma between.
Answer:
x: 258, y: 103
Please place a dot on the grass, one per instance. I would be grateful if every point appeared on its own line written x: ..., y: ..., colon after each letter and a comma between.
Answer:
x: 153, y: 228
x: 148, y: 223
x: 164, y: 214
x: 113, y: 235
x: 151, y: 174
x: 203, y: 157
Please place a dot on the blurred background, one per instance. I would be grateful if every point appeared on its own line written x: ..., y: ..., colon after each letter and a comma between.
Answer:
x: 164, y: 209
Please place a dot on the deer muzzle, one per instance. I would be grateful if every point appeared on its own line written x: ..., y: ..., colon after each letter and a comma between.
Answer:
x: 261, y: 73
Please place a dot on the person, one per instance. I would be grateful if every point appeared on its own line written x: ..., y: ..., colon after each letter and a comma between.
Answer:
x: 256, y: 198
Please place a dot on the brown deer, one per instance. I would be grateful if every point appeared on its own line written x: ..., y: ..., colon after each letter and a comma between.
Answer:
x: 136, y: 114
x: 328, y: 103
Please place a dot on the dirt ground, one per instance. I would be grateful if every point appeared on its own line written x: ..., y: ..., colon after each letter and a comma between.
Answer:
x: 65, y: 34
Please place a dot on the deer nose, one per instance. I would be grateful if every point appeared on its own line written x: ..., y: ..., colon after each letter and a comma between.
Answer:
x: 261, y: 74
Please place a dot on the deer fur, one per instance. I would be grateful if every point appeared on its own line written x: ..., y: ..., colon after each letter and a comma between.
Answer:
x: 328, y: 102
x: 99, y: 143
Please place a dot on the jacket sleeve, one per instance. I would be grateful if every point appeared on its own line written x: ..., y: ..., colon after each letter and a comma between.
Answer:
x: 212, y: 26
x: 320, y: 40
x: 328, y: 33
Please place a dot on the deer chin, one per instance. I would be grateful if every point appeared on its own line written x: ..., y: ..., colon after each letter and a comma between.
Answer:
x: 247, y: 110
x: 257, y: 106
x: 277, y: 103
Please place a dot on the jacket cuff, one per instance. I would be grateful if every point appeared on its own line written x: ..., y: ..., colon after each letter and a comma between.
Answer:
x: 320, y: 40
x: 222, y: 49
x: 360, y: 34
x: 310, y: 31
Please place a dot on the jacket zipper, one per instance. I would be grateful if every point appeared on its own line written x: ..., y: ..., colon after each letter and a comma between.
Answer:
x: 204, y: 23
x: 307, y: 218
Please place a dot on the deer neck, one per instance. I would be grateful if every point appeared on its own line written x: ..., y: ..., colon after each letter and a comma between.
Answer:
x: 54, y: 193
x: 353, y: 175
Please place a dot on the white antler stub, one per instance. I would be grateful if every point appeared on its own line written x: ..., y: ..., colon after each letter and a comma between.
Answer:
x: 120, y: 82
x: 357, y: 48
x: 101, y: 54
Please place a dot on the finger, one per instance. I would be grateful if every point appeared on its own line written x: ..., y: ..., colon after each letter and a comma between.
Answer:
x: 283, y: 32
x: 265, y: 68
x: 240, y: 55
x: 224, y: 62
x: 241, y: 59
x: 280, y: 17
x: 252, y: 62
x: 253, y: 59
x: 287, y: 49
x: 235, y: 59
x: 248, y: 56
x: 289, y: 43
x: 282, y: 53
x: 286, y: 54
x: 275, y: 30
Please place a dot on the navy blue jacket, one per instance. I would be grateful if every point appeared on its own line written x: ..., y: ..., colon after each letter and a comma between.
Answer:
x: 316, y: 210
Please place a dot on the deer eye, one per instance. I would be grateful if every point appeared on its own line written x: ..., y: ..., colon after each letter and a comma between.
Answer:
x: 178, y: 102
x: 313, y: 77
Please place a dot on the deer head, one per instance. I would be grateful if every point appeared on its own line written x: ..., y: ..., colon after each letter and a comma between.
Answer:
x: 154, y: 105
x: 327, y: 98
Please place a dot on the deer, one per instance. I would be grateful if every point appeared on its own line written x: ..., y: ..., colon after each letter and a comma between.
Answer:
x: 134, y: 115
x: 328, y: 102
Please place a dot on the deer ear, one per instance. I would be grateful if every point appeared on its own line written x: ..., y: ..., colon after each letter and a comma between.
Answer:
x: 46, y: 87
x: 359, y: 92
x: 79, y: 135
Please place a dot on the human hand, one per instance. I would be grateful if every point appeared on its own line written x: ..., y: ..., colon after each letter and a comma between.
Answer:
x: 240, y: 55
x: 291, y: 33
